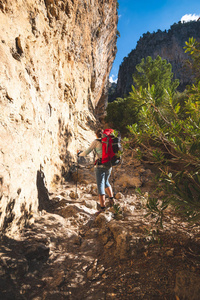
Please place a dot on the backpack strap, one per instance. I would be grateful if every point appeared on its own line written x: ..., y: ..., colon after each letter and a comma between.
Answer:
x: 106, y: 142
x: 97, y: 161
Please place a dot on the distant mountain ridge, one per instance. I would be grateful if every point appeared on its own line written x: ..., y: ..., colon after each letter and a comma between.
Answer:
x: 167, y: 44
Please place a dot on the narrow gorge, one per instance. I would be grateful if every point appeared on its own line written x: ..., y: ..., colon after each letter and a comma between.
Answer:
x: 55, y: 60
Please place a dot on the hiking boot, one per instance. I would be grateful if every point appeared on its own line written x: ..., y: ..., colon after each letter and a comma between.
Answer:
x: 102, y: 209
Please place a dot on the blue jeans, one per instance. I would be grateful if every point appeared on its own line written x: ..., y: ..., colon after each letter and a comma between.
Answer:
x: 102, y: 179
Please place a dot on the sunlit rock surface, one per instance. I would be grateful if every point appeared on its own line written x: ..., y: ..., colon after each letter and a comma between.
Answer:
x: 168, y: 45
x: 55, y: 59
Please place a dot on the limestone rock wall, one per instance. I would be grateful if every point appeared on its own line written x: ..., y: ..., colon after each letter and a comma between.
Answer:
x: 168, y: 45
x: 55, y: 58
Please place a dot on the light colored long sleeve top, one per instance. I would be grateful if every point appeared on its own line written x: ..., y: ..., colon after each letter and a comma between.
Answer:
x: 97, y: 146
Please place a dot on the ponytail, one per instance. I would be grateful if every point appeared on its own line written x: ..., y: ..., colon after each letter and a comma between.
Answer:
x: 99, y: 133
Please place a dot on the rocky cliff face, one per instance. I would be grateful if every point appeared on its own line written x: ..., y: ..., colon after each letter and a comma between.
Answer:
x: 169, y: 45
x: 55, y: 58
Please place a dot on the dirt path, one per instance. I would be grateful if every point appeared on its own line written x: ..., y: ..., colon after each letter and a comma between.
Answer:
x: 70, y: 253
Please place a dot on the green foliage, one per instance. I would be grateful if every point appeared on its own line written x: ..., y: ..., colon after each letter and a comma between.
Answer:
x: 153, y: 77
x: 117, y: 4
x: 158, y: 155
x: 117, y: 211
x: 175, y: 132
x: 120, y: 113
x: 115, y: 133
x: 156, y: 209
x: 155, y: 72
x: 193, y: 49
x: 182, y: 189
x: 178, y: 158
x: 164, y: 126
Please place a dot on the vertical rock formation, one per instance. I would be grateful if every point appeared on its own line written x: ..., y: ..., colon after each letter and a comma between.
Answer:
x: 168, y: 45
x: 55, y: 59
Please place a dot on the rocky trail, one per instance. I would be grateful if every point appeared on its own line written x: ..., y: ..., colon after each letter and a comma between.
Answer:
x: 70, y: 253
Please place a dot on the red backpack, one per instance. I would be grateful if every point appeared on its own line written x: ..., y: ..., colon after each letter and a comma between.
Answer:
x: 111, y: 145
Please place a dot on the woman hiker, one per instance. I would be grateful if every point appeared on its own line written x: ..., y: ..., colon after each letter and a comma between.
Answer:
x: 102, y: 172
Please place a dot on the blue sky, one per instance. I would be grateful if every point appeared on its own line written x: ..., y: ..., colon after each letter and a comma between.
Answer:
x: 138, y: 17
